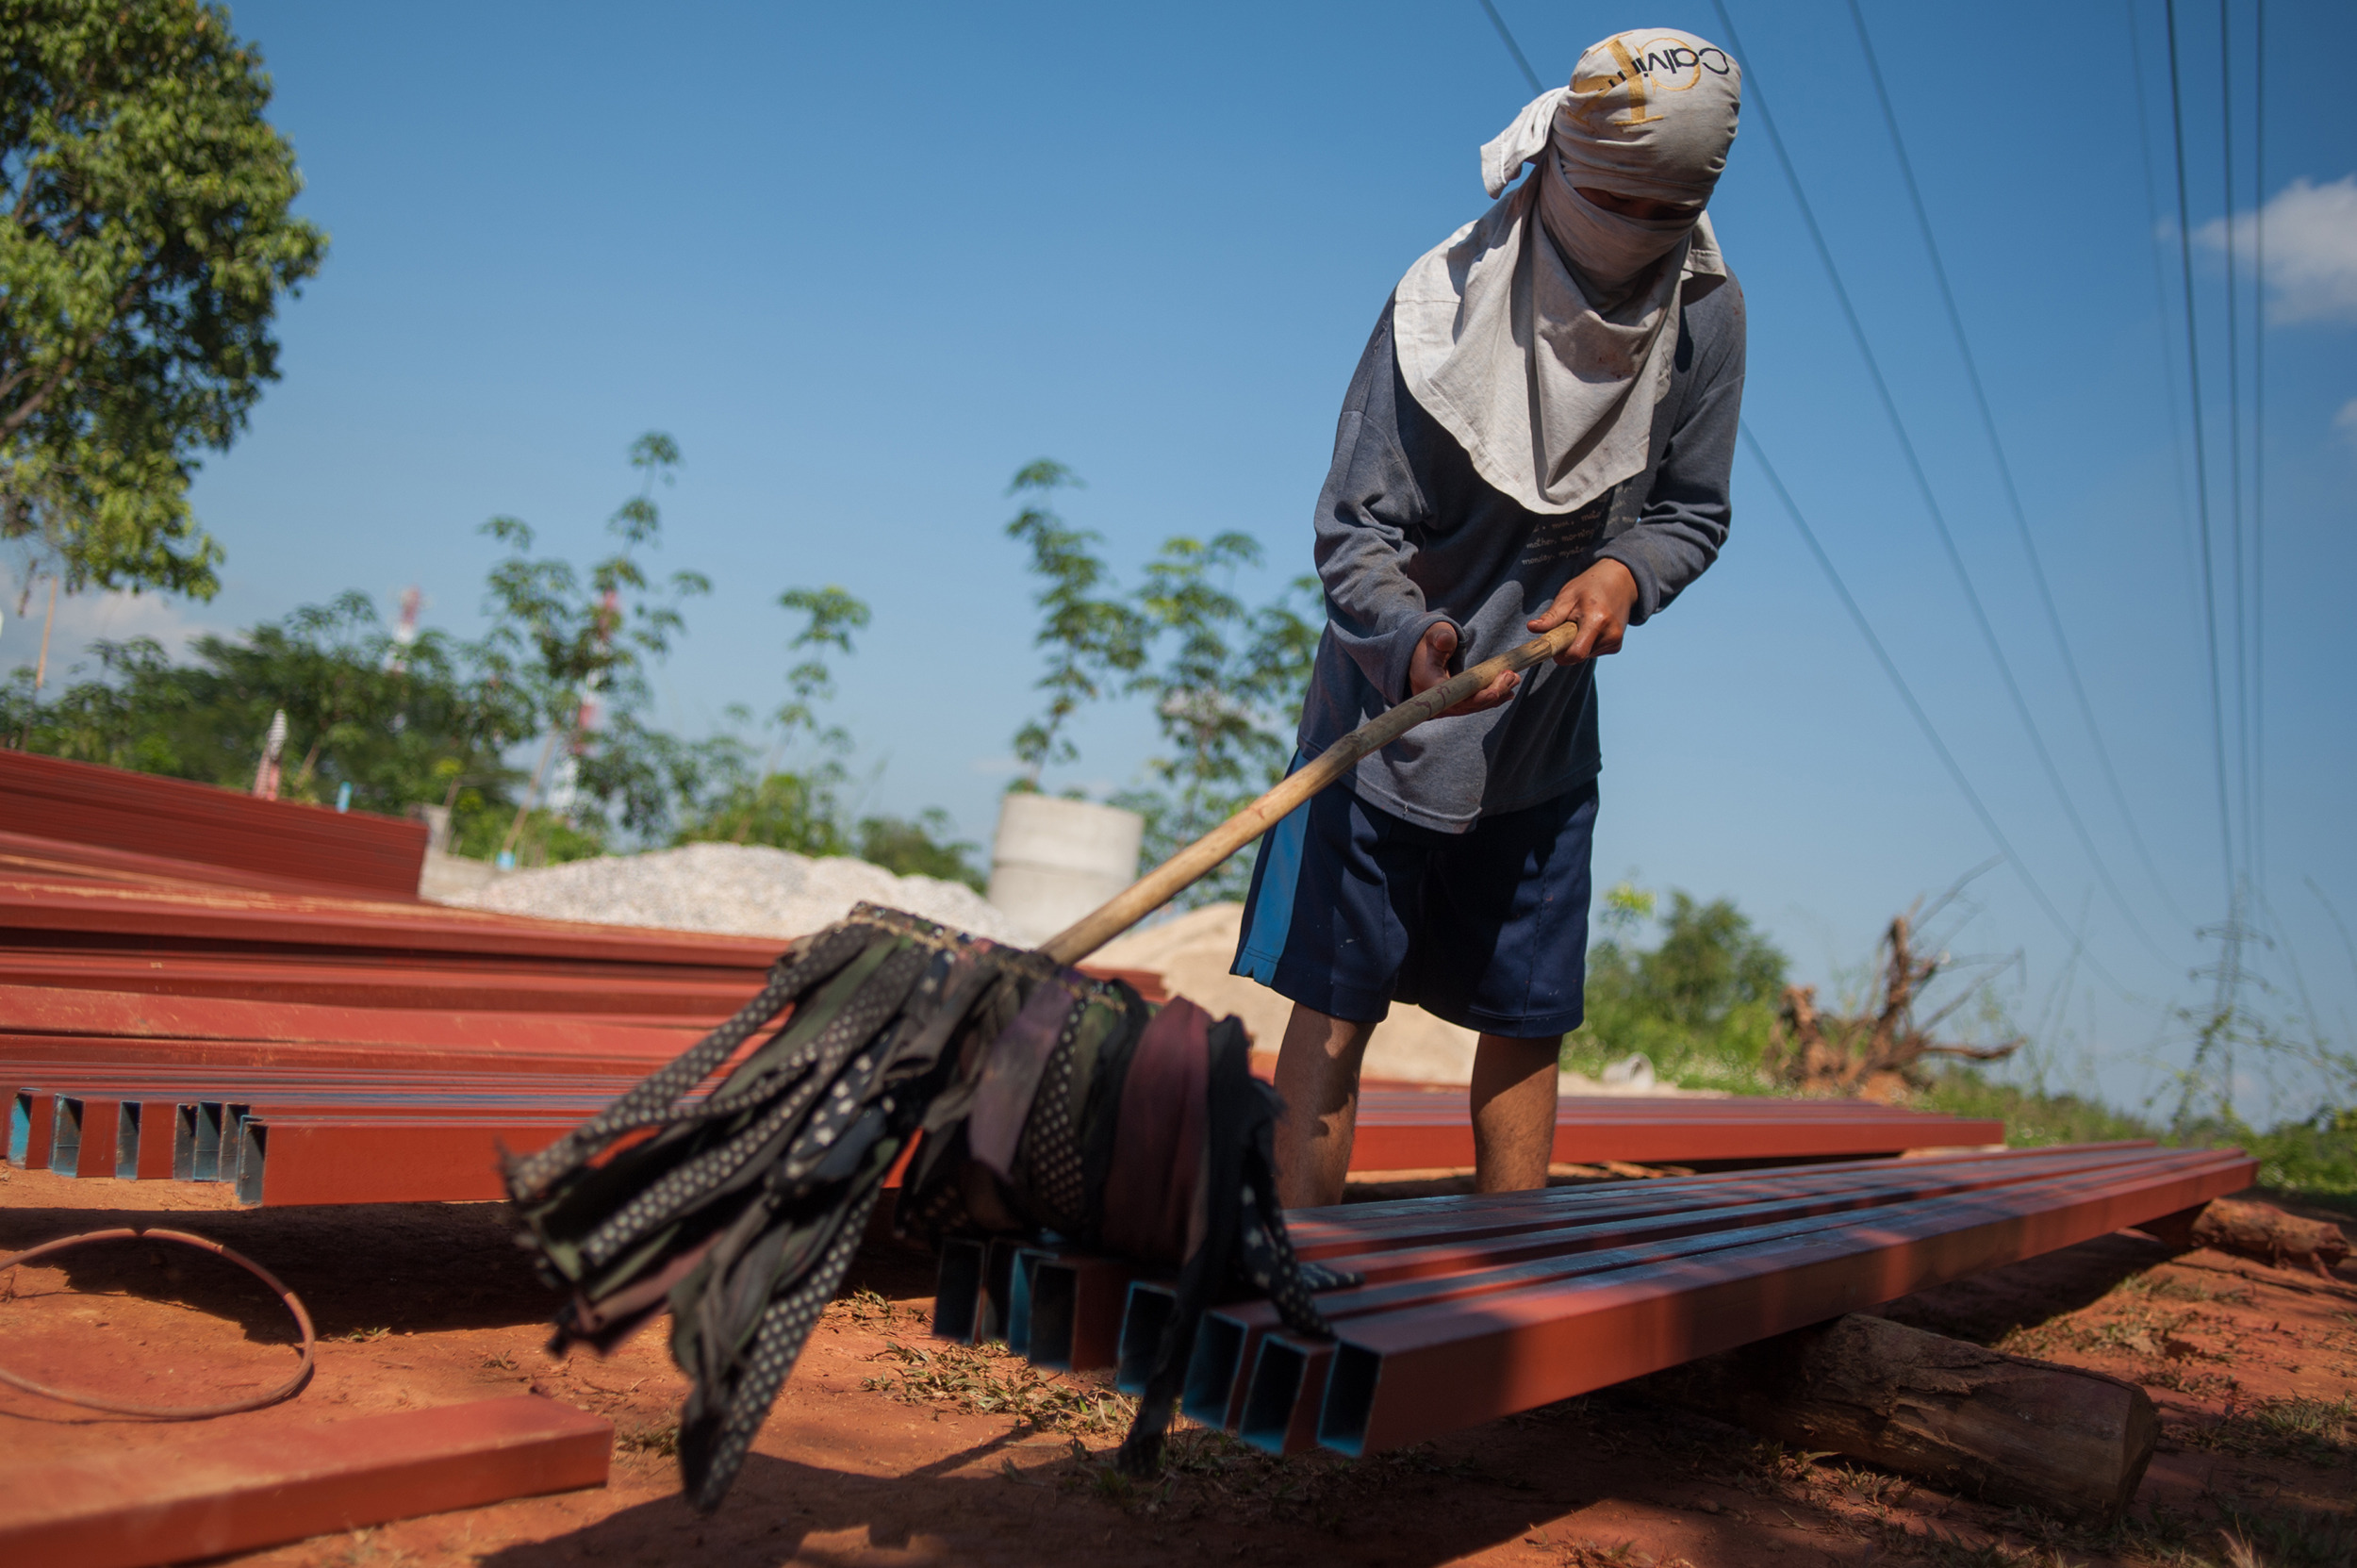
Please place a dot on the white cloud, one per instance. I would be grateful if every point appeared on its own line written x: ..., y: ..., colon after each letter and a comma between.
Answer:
x: 2311, y: 237
x: 84, y: 618
x: 2346, y: 421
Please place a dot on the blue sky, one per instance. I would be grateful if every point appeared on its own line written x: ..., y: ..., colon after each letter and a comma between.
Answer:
x: 864, y: 262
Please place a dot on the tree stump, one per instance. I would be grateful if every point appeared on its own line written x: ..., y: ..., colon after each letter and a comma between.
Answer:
x: 2002, y: 1428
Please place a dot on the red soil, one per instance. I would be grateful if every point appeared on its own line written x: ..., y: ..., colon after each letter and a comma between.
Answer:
x: 425, y: 1304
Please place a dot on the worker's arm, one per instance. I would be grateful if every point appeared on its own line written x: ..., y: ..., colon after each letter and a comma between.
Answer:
x: 1684, y: 521
x: 1368, y: 514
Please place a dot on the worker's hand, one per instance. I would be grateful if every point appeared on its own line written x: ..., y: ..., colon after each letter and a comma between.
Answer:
x: 1429, y: 665
x: 1599, y: 599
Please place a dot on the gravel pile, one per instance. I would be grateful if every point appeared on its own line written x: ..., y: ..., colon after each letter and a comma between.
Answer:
x: 741, y: 888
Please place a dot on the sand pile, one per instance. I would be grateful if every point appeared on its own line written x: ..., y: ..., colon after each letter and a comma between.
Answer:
x: 740, y: 888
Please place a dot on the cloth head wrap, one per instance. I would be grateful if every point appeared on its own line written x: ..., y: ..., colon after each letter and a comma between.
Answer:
x: 1547, y: 373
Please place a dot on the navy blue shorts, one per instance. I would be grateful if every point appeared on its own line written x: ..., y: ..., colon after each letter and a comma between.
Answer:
x: 1353, y: 909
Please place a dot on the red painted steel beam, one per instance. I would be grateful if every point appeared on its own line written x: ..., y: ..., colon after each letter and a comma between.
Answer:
x: 93, y: 1123
x: 32, y: 1014
x: 231, y: 916
x: 288, y: 1159
x: 343, y: 981
x: 1671, y: 1137
x: 215, y: 1491
x: 1359, y: 1227
x: 31, y: 856
x: 108, y: 808
x: 32, y: 1125
x: 1403, y: 1376
x: 1452, y: 1262
x: 389, y: 1160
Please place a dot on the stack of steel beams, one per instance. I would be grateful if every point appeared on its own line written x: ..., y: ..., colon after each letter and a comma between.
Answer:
x: 134, y: 823
x: 176, y: 1001
x: 1475, y: 1308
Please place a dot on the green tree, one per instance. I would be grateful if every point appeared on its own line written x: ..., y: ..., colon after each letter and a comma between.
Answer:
x: 1227, y: 690
x: 423, y: 729
x: 575, y: 649
x: 922, y: 847
x: 830, y: 616
x: 797, y: 809
x: 1091, y: 638
x: 149, y: 243
x: 1699, y: 1003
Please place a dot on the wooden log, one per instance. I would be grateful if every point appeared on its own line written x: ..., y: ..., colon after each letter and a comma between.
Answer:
x: 2255, y: 1230
x: 2002, y: 1428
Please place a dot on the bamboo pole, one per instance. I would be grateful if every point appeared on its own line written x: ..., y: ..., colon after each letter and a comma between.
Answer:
x: 1200, y: 858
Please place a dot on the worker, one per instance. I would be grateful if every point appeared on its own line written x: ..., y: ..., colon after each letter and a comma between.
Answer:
x: 1541, y: 430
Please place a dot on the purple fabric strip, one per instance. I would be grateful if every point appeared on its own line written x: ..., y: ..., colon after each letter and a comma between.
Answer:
x: 1002, y: 1102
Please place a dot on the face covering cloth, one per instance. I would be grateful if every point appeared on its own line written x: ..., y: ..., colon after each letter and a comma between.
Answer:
x: 1542, y: 334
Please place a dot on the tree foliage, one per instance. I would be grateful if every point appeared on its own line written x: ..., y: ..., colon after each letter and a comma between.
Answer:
x: 149, y: 241
x: 1091, y: 639
x: 574, y: 647
x: 1701, y: 1002
x: 425, y: 729
x: 1226, y: 691
x: 1225, y: 679
x: 794, y: 802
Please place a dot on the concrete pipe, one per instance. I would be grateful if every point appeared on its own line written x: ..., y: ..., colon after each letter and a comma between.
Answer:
x: 1055, y: 860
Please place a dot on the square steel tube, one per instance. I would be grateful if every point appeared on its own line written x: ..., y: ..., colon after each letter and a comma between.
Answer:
x: 1285, y: 1391
x: 958, y: 1289
x: 83, y: 1145
x: 32, y: 1128
x: 1227, y: 1346
x: 1076, y: 1306
x: 1143, y: 1320
x: 1401, y: 1377
x: 990, y: 1319
x: 211, y: 1493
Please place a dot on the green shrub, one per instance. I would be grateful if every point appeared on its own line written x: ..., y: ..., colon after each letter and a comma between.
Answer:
x: 2033, y: 1118
x: 1700, y: 1003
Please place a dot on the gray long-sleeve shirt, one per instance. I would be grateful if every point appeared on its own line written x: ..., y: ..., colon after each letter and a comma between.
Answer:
x: 1409, y: 535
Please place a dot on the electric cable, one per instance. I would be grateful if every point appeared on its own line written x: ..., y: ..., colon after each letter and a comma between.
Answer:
x: 1512, y: 48
x: 1938, y: 518
x: 2005, y: 465
x: 2154, y: 230
x: 2233, y: 425
x: 1907, y: 693
x: 1923, y: 719
x: 2257, y: 803
x: 2201, y: 456
x: 293, y: 1303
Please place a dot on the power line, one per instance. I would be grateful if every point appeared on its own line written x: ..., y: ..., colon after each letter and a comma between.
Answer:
x: 1930, y: 506
x: 1511, y: 48
x: 2153, y: 229
x: 2234, y: 422
x: 1907, y: 693
x: 2256, y: 806
x: 2004, y: 467
x: 1922, y: 720
x: 2200, y: 454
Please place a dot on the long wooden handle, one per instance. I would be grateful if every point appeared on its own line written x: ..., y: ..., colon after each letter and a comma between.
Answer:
x: 1202, y: 857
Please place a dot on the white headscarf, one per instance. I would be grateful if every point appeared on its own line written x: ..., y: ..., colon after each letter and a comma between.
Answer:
x: 1547, y: 374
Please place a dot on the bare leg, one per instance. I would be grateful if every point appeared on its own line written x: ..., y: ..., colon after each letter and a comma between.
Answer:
x: 1513, y: 1111
x: 1318, y: 1077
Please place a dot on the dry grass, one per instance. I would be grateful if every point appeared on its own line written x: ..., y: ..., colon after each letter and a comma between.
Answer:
x: 2321, y: 1431
x: 990, y: 1379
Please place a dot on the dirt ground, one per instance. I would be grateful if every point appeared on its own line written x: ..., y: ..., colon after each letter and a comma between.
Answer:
x: 888, y: 1447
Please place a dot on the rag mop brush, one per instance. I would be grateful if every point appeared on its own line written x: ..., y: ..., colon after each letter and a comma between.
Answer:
x: 734, y: 1189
